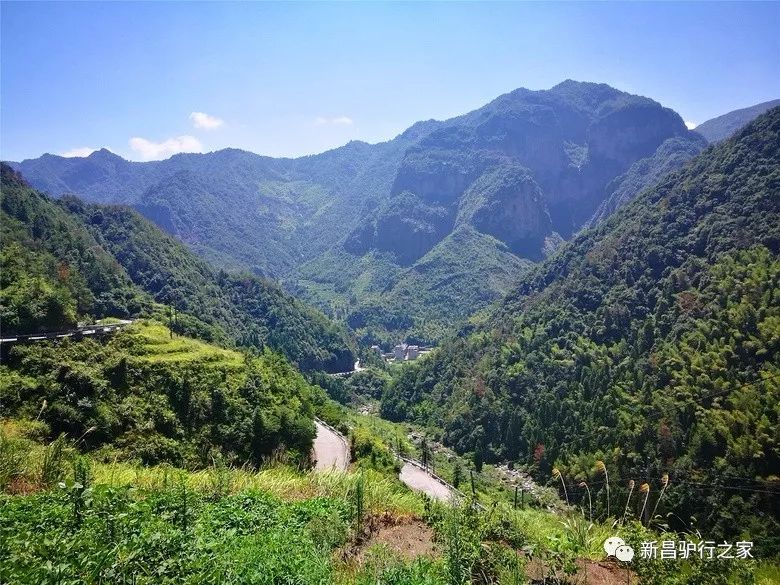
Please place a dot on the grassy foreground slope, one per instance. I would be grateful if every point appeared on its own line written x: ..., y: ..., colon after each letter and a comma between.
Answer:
x: 65, y: 261
x: 67, y: 519
x: 651, y: 342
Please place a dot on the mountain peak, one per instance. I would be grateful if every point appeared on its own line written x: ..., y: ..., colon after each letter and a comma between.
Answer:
x: 573, y: 83
x: 104, y: 154
x: 586, y: 91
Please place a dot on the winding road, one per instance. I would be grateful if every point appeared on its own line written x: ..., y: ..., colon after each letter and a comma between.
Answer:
x: 421, y: 481
x: 330, y: 449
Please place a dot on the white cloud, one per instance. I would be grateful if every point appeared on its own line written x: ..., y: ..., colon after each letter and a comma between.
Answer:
x: 78, y: 152
x: 204, y: 121
x: 149, y: 150
x: 690, y: 125
x: 337, y: 121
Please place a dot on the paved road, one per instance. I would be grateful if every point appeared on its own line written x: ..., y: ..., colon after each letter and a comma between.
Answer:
x: 84, y: 331
x: 420, y: 481
x: 330, y: 449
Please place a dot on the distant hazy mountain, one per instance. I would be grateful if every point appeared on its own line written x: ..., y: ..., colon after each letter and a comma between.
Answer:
x: 722, y: 127
x: 387, y: 235
x: 233, y: 207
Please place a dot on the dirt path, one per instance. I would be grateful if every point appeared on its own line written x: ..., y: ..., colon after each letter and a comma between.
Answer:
x: 330, y: 449
x: 419, y: 480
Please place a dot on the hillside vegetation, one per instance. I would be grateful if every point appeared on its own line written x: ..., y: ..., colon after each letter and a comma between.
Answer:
x: 123, y: 523
x: 66, y: 261
x: 650, y: 342
x: 149, y: 396
x: 387, y: 234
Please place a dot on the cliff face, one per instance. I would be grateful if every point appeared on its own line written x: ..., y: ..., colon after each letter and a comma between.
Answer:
x: 405, y: 226
x: 670, y: 156
x: 529, y: 166
x: 509, y: 205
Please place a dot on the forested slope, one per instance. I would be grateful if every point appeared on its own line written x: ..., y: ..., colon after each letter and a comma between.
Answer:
x: 651, y: 342
x: 356, y: 230
x: 148, y: 396
x: 65, y: 260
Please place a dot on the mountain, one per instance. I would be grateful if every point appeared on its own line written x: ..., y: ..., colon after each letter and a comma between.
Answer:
x: 235, y: 208
x: 527, y: 170
x: 650, y: 342
x: 670, y: 156
x: 722, y: 127
x: 349, y: 229
x: 66, y: 260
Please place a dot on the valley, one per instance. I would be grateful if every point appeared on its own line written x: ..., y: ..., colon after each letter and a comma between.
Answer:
x: 404, y: 239
x: 389, y: 293
x: 579, y: 295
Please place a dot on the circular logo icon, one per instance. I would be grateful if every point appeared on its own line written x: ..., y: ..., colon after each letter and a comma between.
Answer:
x: 624, y: 553
x: 611, y: 544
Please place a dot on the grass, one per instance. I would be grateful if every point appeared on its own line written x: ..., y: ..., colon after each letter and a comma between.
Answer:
x: 768, y: 573
x: 542, y: 527
x: 382, y: 495
x: 108, y: 321
x: 125, y: 523
x: 42, y: 466
x: 155, y: 344
x: 388, y: 432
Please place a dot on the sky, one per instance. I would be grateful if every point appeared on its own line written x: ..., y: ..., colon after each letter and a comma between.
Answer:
x: 148, y: 80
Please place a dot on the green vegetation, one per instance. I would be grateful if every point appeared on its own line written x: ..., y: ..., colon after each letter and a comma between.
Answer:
x: 649, y: 343
x: 463, y: 273
x: 149, y: 396
x: 635, y: 370
x: 66, y: 261
x: 92, y: 522
x: 51, y: 271
x: 161, y: 525
x: 401, y: 239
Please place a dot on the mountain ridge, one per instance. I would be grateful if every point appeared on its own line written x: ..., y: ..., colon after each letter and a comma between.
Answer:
x: 725, y: 125
x: 530, y: 168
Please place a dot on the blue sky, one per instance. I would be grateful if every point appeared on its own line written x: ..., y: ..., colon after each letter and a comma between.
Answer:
x: 147, y: 80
